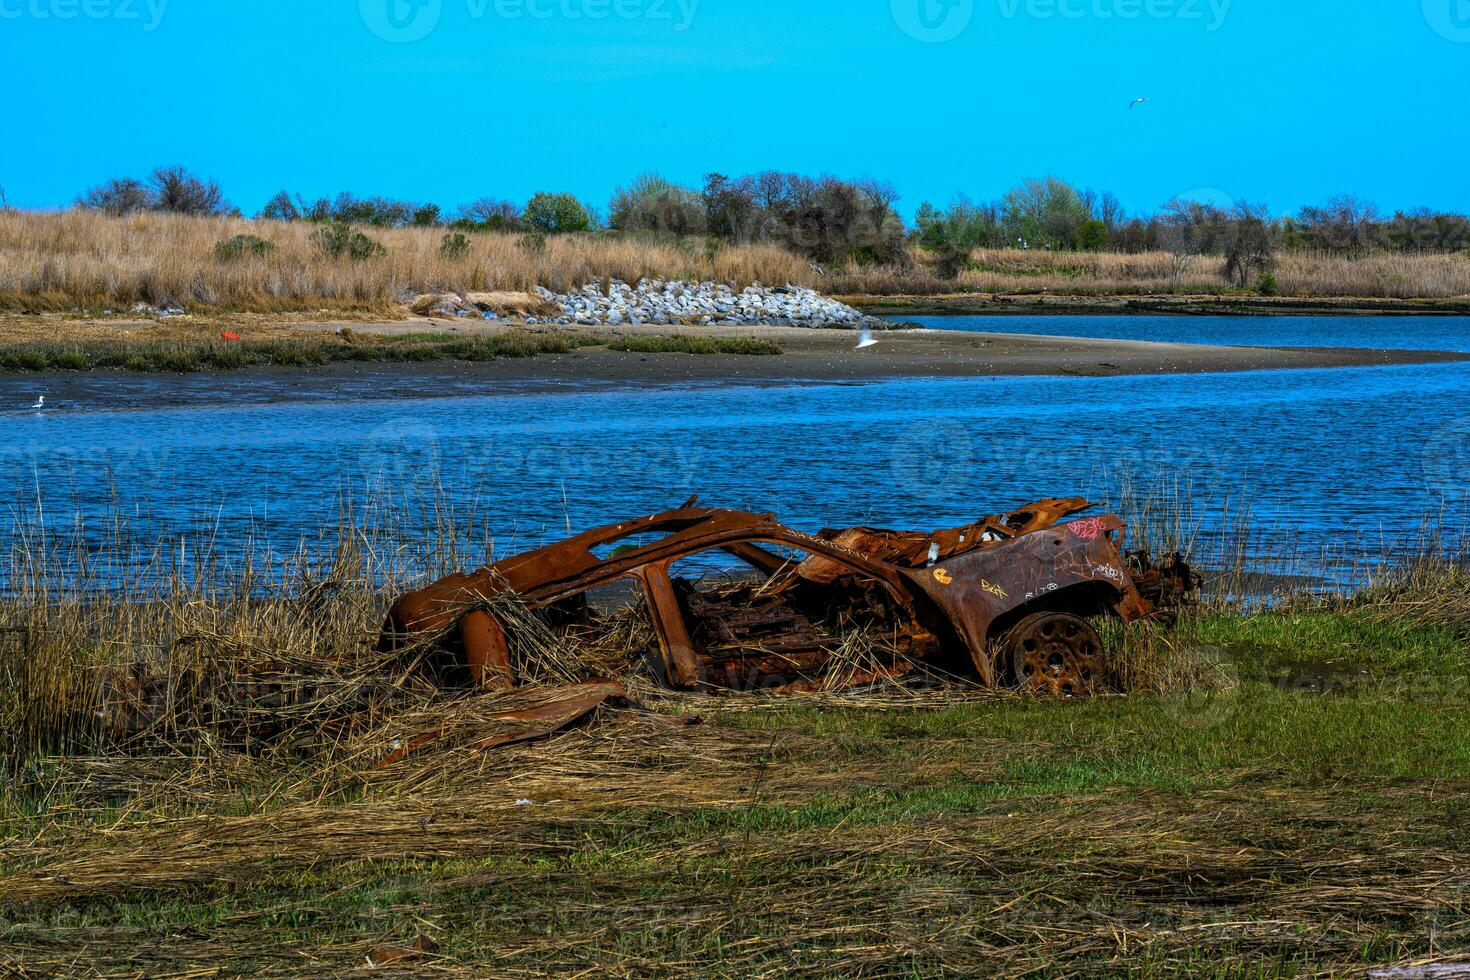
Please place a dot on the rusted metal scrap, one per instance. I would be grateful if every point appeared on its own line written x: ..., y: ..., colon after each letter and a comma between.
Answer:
x: 552, y: 711
x: 1010, y: 599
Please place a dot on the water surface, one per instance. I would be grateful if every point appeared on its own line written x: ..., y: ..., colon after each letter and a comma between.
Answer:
x: 1379, y: 332
x: 1338, y: 458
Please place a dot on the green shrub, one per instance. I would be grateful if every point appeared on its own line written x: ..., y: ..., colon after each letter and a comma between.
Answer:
x: 454, y: 246
x: 1267, y: 286
x: 693, y: 344
x: 532, y: 244
x: 557, y: 214
x: 243, y: 246
x: 338, y: 239
x: 1093, y: 236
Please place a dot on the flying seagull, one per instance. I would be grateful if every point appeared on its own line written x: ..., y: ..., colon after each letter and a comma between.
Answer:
x: 865, y: 339
x: 40, y: 403
x: 1137, y: 102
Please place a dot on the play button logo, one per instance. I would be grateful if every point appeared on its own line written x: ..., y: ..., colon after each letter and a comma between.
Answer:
x: 401, y: 21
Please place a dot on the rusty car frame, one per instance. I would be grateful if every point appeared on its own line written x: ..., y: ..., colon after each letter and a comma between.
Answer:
x: 1010, y: 599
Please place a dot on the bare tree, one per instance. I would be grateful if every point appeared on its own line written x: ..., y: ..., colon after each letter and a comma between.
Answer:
x: 730, y: 207
x: 280, y: 208
x: 177, y: 191
x: 1250, y: 244
x: 1186, y: 229
x: 1344, y: 224
x: 117, y: 197
x: 493, y: 213
x: 881, y: 196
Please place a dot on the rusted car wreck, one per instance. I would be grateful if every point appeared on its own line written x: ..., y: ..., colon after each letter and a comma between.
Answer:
x: 1010, y: 599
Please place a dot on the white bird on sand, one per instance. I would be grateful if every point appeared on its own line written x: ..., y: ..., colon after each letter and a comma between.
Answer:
x: 866, y: 339
x: 40, y: 403
x: 1137, y: 102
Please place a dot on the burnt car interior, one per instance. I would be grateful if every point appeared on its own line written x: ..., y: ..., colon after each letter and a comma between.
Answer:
x: 1009, y: 597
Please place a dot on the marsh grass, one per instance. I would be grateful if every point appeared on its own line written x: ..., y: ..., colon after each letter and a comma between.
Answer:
x: 1219, y: 819
x: 1262, y: 830
x: 87, y: 612
x: 73, y: 261
x: 184, y: 356
x: 695, y: 344
x: 1389, y: 275
x: 64, y: 260
x: 92, y: 620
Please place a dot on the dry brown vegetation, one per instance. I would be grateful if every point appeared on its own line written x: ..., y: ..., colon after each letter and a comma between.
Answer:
x: 67, y: 259
x: 1200, y: 827
x: 1381, y: 274
x: 80, y: 260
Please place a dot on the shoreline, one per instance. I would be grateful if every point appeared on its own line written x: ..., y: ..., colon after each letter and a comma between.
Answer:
x: 810, y: 356
x: 1015, y: 304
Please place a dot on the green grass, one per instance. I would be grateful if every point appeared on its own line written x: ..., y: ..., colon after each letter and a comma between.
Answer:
x: 694, y: 344
x: 422, y: 347
x: 1034, y: 869
x: 1260, y: 828
x: 1180, y: 742
x: 1351, y: 640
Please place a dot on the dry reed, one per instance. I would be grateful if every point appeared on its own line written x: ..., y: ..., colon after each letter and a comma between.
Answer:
x: 61, y: 260
x: 633, y: 846
x: 1388, y: 275
x: 71, y: 260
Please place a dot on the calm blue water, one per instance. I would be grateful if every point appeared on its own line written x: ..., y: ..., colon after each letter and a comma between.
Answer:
x: 1383, y: 332
x: 1330, y: 456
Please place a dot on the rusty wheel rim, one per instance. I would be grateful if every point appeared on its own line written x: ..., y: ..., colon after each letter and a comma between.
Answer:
x: 1055, y: 655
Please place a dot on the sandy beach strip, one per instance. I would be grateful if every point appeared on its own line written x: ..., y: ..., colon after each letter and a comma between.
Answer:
x: 822, y: 356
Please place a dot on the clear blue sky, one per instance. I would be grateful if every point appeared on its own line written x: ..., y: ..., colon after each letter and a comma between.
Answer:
x: 1283, y: 102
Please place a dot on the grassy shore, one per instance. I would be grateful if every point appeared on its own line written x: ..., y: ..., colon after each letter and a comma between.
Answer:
x: 299, y: 350
x: 86, y: 263
x: 1298, y: 274
x: 1261, y: 830
x: 1267, y: 792
x: 64, y: 261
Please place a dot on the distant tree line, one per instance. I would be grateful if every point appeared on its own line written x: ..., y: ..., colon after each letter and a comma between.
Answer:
x: 1052, y: 214
x: 832, y: 220
x: 169, y: 189
x: 825, y: 218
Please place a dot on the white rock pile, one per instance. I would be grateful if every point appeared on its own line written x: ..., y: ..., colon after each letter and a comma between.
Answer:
x: 659, y: 302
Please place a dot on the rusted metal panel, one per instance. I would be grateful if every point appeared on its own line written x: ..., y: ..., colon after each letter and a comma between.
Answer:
x: 954, y: 595
x: 557, y: 708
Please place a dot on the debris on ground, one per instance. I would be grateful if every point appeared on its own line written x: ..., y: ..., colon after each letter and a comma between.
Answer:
x: 1013, y: 601
x: 551, y: 711
x: 422, y: 947
x: 1009, y: 599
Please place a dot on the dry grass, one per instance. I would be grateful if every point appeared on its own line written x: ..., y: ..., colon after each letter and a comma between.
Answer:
x: 87, y: 614
x: 1422, y: 591
x: 110, y: 644
x: 904, y: 830
x: 865, y: 840
x: 73, y: 260
x: 63, y: 260
x: 1380, y: 275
